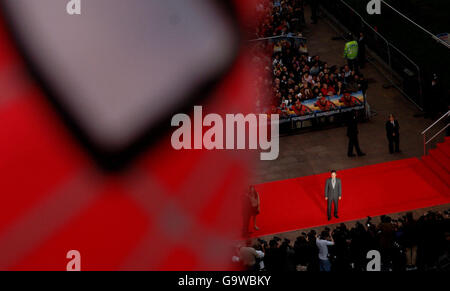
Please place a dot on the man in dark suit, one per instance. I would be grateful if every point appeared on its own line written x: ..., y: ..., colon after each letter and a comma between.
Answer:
x: 333, y: 193
x: 352, y: 134
x: 393, y: 134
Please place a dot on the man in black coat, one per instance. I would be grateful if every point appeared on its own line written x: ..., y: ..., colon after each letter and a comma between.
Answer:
x: 393, y: 134
x: 352, y: 134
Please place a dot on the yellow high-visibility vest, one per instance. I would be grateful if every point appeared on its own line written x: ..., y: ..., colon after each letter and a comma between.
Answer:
x: 351, y: 50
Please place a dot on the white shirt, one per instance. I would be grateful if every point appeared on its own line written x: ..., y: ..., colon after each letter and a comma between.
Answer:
x: 323, y: 248
x: 333, y: 182
x: 260, y: 256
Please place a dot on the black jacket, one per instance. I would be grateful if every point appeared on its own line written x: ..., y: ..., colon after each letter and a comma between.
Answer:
x: 352, y: 128
x: 391, y: 129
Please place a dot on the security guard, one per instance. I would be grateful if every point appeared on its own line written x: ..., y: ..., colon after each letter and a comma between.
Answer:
x: 351, y: 53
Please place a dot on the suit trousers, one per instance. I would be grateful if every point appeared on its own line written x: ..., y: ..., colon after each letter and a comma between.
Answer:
x: 353, y: 143
x: 330, y: 201
x: 394, y: 140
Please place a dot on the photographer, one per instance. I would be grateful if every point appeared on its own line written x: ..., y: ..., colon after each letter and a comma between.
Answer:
x: 301, y: 251
x: 288, y: 254
x: 410, y: 240
x: 341, y: 252
x: 313, y: 259
x: 273, y: 260
x: 323, y: 242
x: 260, y: 248
x: 249, y: 257
x: 386, y: 231
x: 359, y: 246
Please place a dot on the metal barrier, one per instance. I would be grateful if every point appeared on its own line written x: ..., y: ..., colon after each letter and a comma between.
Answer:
x: 434, y: 131
x: 296, y: 39
x: 403, y: 73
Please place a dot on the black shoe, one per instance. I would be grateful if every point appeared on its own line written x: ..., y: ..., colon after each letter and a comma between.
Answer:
x: 351, y: 155
x: 329, y: 218
x: 361, y: 154
x: 336, y: 216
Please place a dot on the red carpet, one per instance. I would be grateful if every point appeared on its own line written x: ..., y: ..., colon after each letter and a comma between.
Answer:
x: 367, y: 191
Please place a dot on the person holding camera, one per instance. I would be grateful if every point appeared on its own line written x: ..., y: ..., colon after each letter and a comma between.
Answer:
x: 274, y: 258
x: 323, y: 242
x: 410, y: 240
x: 249, y: 257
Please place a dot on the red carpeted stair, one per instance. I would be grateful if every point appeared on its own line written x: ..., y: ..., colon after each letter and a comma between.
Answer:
x: 438, y: 160
x: 367, y: 191
x: 441, y: 157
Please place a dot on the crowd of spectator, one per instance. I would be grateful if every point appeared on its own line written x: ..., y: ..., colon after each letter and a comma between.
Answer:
x: 275, y: 17
x: 291, y: 74
x: 405, y: 244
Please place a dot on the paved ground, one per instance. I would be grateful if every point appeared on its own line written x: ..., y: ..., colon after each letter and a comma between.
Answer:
x: 320, y: 151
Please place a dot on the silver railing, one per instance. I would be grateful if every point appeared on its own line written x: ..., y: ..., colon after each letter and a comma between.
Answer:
x: 435, y: 130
